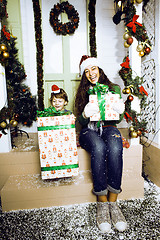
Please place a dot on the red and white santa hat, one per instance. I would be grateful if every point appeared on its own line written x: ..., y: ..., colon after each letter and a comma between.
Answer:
x: 86, y: 61
x: 55, y: 89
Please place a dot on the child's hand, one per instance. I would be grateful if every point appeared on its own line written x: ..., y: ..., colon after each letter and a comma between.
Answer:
x: 119, y: 106
x: 90, y: 109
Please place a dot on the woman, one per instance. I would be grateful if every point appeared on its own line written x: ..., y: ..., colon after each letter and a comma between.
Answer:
x: 104, y: 144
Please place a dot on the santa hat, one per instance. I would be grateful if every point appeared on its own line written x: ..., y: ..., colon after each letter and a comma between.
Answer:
x: 86, y: 61
x: 55, y: 89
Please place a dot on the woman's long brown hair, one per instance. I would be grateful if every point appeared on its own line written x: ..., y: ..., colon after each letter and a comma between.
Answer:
x: 82, y: 97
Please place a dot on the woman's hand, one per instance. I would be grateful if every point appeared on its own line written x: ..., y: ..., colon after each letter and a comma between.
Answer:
x: 119, y: 107
x: 90, y: 109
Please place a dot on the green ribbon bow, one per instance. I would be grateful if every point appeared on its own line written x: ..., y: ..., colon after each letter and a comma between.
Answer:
x: 51, y: 111
x: 100, y: 90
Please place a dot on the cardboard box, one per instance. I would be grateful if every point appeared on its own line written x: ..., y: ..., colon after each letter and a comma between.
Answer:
x: 57, y: 146
x: 110, y: 114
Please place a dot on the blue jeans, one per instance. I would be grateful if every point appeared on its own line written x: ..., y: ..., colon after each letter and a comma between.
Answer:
x: 106, y: 158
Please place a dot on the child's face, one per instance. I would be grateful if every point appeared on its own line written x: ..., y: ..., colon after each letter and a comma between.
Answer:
x: 58, y: 103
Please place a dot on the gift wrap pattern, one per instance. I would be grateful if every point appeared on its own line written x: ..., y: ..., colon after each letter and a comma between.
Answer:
x: 57, y: 146
x: 110, y: 114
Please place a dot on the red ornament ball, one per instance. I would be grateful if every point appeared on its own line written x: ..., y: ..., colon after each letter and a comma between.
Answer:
x: 147, y: 50
x: 130, y: 98
x: 130, y: 40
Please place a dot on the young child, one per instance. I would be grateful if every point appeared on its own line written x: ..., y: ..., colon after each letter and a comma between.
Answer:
x: 59, y: 98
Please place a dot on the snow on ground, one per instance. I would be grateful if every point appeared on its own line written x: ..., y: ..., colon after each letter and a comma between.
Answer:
x: 79, y: 221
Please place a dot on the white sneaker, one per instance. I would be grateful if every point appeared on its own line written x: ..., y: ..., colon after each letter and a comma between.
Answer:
x: 103, y: 217
x: 117, y: 217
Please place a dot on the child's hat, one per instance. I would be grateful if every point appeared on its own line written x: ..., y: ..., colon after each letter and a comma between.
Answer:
x: 55, y: 89
x: 86, y: 61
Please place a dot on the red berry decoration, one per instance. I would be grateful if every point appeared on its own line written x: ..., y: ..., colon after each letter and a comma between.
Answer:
x: 130, y: 98
x: 147, y: 50
x: 130, y: 40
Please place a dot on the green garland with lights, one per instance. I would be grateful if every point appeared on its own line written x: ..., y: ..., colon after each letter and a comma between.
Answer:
x: 39, y: 54
x: 92, y: 28
x: 134, y: 88
x: 3, y: 11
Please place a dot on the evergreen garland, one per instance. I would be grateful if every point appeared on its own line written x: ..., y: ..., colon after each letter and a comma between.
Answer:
x: 92, y: 33
x: 39, y: 45
x: 133, y: 87
x: 3, y: 11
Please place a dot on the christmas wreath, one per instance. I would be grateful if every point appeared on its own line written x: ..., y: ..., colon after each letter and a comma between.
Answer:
x: 73, y: 16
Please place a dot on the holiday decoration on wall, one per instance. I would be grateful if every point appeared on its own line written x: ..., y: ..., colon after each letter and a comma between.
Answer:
x: 73, y: 16
x: 20, y: 106
x: 92, y: 33
x: 39, y: 45
x: 134, y: 91
x: 132, y: 27
x: 136, y: 94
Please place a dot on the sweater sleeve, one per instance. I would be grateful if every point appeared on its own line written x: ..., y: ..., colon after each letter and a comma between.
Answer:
x: 83, y: 121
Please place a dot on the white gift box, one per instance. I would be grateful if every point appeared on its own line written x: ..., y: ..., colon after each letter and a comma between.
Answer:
x: 110, y: 114
x: 57, y: 146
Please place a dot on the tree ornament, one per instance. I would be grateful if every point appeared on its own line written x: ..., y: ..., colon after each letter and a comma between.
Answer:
x: 139, y: 132
x: 139, y: 1
x: 126, y: 35
x: 130, y: 40
x: 14, y: 123
x: 139, y: 47
x: 5, y: 55
x: 141, y: 53
x: 130, y: 98
x: 3, y: 47
x: 147, y: 50
x: 126, y: 45
x: 3, y: 124
x: 131, y: 128
x: 133, y: 134
x: 126, y: 90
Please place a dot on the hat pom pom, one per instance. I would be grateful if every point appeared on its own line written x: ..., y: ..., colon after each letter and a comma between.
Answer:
x: 55, y: 89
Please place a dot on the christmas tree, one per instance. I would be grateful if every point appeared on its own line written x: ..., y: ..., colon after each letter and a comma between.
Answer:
x: 21, y: 105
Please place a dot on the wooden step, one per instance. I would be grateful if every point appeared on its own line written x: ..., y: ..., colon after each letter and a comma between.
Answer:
x: 30, y: 191
x: 24, y: 162
x: 22, y: 187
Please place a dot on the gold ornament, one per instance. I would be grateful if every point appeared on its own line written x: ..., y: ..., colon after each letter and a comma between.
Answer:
x: 126, y: 45
x: 131, y: 129
x: 14, y: 123
x: 139, y: 132
x: 139, y: 47
x: 141, y: 53
x: 3, y: 124
x: 3, y: 47
x: 126, y: 35
x: 133, y: 134
x: 126, y: 90
x: 5, y: 54
x: 139, y: 1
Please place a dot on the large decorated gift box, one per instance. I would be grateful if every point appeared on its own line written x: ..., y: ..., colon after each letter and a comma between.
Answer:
x: 57, y: 146
x: 105, y: 100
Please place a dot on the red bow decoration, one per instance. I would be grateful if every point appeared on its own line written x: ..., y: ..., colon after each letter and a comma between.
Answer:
x: 126, y: 63
x: 142, y: 90
x: 7, y: 34
x: 127, y: 117
x: 133, y: 23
